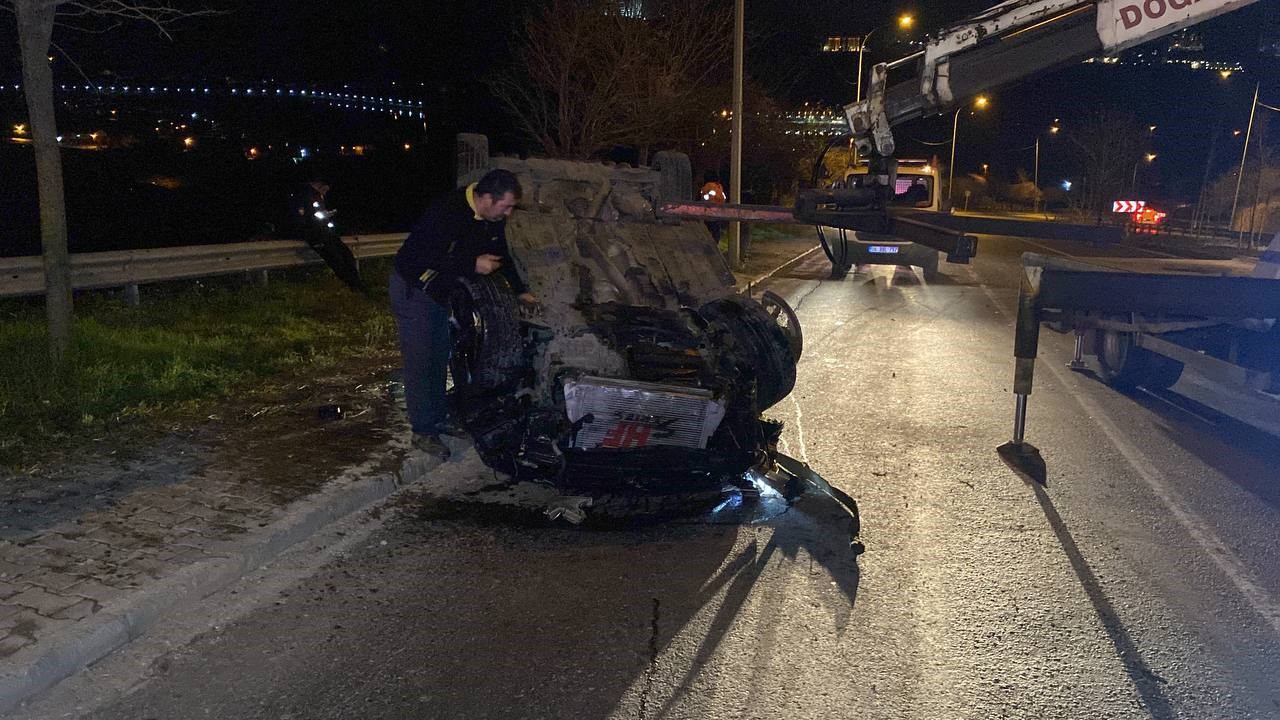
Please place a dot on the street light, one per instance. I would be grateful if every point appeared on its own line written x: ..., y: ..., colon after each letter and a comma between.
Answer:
x: 1133, y: 183
x: 979, y: 103
x: 1253, y: 109
x: 1054, y: 129
x: 905, y: 22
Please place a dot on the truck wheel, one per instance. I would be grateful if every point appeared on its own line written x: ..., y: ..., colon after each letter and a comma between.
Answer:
x: 487, y: 350
x: 1125, y: 366
x: 1165, y: 373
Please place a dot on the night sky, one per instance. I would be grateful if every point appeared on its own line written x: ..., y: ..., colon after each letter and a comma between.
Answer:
x: 443, y: 49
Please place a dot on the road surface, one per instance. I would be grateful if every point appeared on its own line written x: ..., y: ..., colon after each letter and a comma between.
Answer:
x: 1142, y: 582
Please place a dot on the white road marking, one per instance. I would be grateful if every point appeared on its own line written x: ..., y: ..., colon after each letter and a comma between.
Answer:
x: 804, y: 452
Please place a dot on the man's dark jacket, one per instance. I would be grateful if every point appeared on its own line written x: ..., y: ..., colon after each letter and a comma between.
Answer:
x: 444, y: 244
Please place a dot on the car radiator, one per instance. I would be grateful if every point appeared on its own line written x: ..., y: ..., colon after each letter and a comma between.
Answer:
x: 614, y: 413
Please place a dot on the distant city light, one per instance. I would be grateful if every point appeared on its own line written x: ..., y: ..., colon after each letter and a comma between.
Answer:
x: 189, y: 141
x: 20, y: 129
x: 1066, y: 185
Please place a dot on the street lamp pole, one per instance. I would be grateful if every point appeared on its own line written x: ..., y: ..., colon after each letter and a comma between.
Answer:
x: 862, y: 45
x: 1253, y: 109
x: 979, y: 102
x: 735, y: 160
x: 951, y: 167
x: 904, y: 21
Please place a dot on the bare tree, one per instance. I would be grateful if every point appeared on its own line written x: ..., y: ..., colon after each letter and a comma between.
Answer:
x: 592, y: 74
x: 36, y: 20
x: 1110, y: 144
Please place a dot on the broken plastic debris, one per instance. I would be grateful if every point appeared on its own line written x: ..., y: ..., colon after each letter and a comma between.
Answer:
x: 571, y: 508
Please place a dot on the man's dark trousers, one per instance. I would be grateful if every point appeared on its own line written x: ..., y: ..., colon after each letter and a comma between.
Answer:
x: 423, y: 326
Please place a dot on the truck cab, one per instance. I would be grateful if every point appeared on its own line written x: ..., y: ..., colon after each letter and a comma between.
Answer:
x: 917, y: 187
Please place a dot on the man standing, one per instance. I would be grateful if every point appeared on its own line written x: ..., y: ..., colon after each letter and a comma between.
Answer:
x: 308, y: 206
x: 462, y: 234
x: 713, y: 191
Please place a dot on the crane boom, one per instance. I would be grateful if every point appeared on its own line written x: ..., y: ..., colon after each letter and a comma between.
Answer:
x: 1008, y: 42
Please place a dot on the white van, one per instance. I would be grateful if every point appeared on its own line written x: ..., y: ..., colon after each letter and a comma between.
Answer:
x: 917, y: 187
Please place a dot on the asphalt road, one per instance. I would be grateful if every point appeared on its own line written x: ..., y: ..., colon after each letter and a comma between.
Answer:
x: 1141, y: 583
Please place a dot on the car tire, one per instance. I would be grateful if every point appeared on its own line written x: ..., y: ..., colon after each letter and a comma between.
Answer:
x: 757, y: 340
x: 484, y: 319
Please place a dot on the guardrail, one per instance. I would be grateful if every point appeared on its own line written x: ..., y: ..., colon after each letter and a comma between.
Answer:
x: 130, y: 268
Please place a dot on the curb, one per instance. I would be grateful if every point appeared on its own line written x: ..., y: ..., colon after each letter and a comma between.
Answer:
x: 746, y: 287
x: 82, y: 645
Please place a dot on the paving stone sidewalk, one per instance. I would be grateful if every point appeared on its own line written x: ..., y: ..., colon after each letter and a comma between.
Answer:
x: 97, y: 547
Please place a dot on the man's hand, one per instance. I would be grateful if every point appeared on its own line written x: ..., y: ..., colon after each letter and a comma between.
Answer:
x: 487, y: 263
x: 530, y: 308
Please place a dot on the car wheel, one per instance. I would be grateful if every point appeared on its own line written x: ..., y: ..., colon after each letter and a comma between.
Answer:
x: 785, y: 318
x: 487, y: 350
x: 757, y: 345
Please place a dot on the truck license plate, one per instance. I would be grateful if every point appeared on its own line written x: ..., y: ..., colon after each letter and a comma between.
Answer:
x: 884, y: 249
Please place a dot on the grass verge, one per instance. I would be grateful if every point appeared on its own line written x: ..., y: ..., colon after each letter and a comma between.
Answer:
x: 187, y: 342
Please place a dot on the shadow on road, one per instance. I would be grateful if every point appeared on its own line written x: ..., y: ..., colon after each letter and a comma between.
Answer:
x: 1239, y: 452
x: 1146, y: 682
x: 442, y: 615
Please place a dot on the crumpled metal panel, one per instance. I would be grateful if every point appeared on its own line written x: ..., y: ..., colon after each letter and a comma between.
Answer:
x: 586, y: 234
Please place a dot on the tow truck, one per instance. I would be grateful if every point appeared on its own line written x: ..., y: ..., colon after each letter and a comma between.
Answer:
x: 1144, y: 323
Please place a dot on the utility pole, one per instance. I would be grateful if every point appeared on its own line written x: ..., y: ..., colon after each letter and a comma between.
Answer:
x: 735, y: 160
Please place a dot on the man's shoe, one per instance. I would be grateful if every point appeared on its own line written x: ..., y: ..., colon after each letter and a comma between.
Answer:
x: 431, y: 445
x: 452, y: 429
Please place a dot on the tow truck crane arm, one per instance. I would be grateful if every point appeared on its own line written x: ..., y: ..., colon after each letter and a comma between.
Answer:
x: 1011, y: 41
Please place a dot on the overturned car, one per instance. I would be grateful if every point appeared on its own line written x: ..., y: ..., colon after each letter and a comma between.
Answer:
x: 643, y: 374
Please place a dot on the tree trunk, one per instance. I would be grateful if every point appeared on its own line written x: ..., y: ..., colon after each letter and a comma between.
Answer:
x: 35, y: 36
